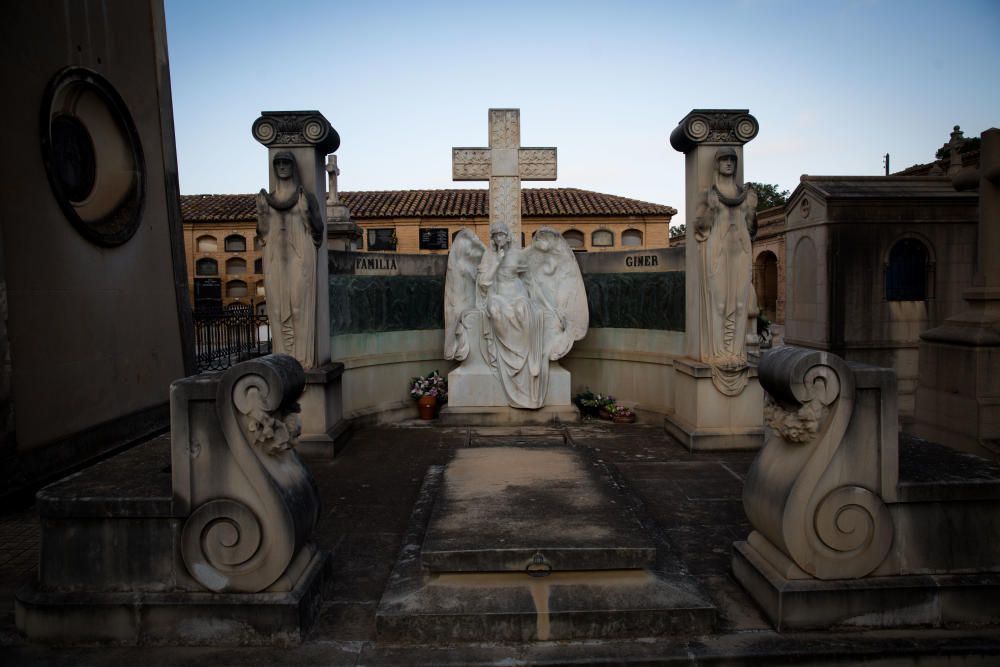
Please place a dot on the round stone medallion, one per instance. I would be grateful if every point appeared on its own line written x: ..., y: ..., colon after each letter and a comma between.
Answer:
x: 92, y: 156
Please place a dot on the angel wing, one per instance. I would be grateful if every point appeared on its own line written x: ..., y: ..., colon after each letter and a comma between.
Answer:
x: 460, y: 290
x: 556, y: 282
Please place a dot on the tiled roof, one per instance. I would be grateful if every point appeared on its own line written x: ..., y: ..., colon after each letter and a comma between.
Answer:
x: 889, y: 187
x: 376, y: 204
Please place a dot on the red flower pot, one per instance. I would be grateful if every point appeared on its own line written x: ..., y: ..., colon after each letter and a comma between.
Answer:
x: 427, y: 406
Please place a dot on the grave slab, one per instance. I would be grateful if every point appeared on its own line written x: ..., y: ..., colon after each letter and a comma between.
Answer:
x: 511, y: 509
x: 527, y: 543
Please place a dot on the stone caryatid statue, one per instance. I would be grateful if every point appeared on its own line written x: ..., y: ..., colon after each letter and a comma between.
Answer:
x: 726, y: 224
x: 532, y: 304
x: 291, y: 228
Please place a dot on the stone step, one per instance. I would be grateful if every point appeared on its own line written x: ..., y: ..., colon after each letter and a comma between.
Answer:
x: 565, y: 605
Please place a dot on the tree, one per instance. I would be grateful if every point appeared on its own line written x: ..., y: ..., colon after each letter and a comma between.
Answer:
x: 768, y: 195
x: 678, y: 230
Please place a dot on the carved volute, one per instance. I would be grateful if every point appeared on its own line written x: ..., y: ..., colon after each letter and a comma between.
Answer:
x: 813, y: 490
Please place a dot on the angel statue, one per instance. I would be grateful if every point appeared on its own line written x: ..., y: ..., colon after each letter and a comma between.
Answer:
x: 291, y: 229
x: 530, y: 306
x: 724, y: 228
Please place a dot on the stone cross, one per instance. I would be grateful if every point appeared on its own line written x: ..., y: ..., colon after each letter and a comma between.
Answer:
x: 334, y: 172
x: 504, y: 164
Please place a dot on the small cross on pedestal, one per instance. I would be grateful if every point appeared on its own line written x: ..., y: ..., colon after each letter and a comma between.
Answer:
x: 504, y: 164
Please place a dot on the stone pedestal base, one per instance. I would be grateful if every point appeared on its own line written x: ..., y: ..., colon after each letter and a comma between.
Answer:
x: 175, y: 617
x: 475, y: 385
x: 894, y: 601
x: 704, y: 418
x: 507, y: 416
x: 323, y: 424
x: 958, y: 395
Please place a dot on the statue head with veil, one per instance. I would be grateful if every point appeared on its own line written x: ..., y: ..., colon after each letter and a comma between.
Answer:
x: 531, y: 305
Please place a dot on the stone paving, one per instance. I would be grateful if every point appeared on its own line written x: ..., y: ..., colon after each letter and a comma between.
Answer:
x: 692, y: 503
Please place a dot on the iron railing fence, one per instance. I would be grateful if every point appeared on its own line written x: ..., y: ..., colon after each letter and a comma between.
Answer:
x: 227, y: 337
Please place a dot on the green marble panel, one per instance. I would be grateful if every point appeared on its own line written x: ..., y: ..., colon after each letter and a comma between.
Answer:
x: 636, y: 300
x: 366, y: 304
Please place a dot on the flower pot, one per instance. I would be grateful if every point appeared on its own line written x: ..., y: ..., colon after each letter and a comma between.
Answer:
x: 604, y: 414
x: 623, y: 419
x: 427, y: 406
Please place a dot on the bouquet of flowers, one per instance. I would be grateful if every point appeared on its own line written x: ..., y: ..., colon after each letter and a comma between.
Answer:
x: 622, y: 414
x: 434, y: 384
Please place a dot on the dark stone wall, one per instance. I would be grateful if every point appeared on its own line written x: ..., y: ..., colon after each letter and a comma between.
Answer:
x: 636, y: 300
x: 367, y: 304
x: 373, y: 303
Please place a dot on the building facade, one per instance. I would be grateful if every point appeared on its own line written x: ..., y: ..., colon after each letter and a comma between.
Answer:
x: 224, y: 258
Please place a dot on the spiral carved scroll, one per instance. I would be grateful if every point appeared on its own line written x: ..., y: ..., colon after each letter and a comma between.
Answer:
x: 807, y: 492
x: 266, y: 504
x: 856, y: 527
x: 218, y: 542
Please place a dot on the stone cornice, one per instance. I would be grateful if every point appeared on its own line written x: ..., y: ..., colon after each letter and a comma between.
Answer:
x: 296, y: 129
x: 714, y: 127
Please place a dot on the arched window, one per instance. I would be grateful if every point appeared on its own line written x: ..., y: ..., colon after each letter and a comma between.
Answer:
x: 236, y: 243
x: 258, y: 265
x: 236, y: 266
x: 260, y: 289
x: 262, y: 308
x: 236, y: 288
x: 602, y: 238
x: 207, y: 244
x: 632, y: 237
x: 257, y: 243
x: 574, y: 238
x: 206, y: 267
x: 906, y: 273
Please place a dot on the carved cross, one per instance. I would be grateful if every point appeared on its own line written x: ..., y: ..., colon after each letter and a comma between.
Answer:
x: 334, y: 172
x: 504, y: 164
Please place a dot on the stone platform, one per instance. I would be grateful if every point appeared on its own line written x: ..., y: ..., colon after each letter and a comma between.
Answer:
x: 131, y: 595
x: 528, y: 543
x: 692, y: 506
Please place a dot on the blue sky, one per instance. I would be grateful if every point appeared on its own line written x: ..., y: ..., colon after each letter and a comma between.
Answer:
x: 834, y: 85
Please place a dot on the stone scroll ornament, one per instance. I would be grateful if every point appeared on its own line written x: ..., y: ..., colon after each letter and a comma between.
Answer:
x: 244, y: 544
x: 725, y: 226
x: 532, y: 302
x: 795, y: 495
x: 291, y: 229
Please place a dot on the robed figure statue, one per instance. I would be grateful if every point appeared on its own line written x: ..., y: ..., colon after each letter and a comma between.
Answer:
x: 291, y: 230
x: 532, y: 304
x: 724, y: 228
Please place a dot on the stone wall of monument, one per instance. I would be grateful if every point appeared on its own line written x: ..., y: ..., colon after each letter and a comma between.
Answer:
x: 387, y: 313
x: 91, y: 253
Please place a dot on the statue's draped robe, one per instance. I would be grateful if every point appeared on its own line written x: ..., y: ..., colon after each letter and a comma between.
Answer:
x: 725, y: 252
x: 514, y: 328
x: 290, y: 269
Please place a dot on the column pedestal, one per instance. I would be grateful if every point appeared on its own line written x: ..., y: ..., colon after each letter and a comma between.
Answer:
x: 704, y: 418
x: 323, y: 425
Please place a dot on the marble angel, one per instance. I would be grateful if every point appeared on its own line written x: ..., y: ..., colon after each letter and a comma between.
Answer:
x: 531, y: 302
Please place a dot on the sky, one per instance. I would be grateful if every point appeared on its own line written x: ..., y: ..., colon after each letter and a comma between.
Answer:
x: 834, y: 85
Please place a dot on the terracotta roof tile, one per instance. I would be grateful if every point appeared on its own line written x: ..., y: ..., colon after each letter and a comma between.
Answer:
x: 375, y: 204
